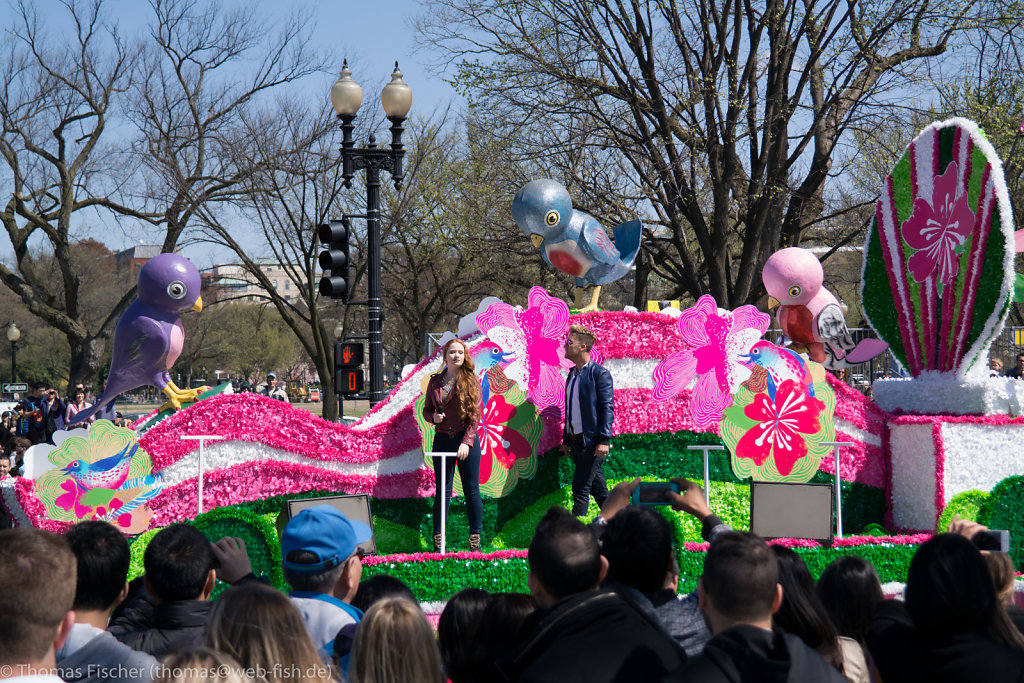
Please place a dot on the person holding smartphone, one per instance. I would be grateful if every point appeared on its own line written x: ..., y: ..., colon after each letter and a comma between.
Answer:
x: 452, y: 405
x: 589, y: 415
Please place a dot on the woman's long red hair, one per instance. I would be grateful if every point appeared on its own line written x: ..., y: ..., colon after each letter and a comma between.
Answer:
x: 467, y: 383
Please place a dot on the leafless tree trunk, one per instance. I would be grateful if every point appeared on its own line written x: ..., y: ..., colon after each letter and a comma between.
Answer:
x: 193, y: 94
x: 295, y: 189
x: 55, y: 105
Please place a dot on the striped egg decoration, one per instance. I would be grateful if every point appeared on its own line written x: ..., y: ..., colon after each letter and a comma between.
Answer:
x: 938, y: 260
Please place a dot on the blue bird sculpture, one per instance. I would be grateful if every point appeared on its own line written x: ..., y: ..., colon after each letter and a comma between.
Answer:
x: 108, y: 473
x: 573, y: 241
x: 486, y: 356
x: 149, y: 336
x: 781, y: 365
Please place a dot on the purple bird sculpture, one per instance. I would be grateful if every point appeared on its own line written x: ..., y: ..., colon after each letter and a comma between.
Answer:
x: 781, y: 364
x: 108, y: 473
x: 149, y: 336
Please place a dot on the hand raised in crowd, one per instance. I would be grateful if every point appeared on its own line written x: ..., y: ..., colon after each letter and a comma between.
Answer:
x: 234, y: 560
x: 965, y: 527
x: 619, y: 498
x: 690, y: 498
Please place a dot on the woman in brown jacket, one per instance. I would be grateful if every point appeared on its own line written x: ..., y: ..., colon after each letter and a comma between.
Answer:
x: 453, y: 406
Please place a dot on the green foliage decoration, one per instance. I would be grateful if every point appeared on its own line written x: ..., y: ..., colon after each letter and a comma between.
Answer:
x: 438, y: 580
x: 1002, y: 510
x: 406, y: 525
x: 967, y: 504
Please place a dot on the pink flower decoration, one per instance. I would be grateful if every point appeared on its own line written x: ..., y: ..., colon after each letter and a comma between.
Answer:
x: 781, y: 426
x: 715, y: 337
x: 938, y: 228
x: 497, y: 440
x: 535, y: 335
x: 72, y: 499
x: 251, y: 417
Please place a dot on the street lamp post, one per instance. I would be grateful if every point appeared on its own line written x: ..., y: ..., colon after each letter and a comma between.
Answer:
x: 13, y: 335
x: 396, y: 98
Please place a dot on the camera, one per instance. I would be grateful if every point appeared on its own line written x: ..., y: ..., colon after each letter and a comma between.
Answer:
x: 993, y: 540
x: 654, y: 493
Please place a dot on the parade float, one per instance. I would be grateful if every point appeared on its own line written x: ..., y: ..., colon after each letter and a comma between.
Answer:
x: 944, y: 440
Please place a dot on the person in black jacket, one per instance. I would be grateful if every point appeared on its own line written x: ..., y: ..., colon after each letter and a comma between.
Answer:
x: 952, y: 627
x: 739, y: 592
x: 580, y: 632
x: 171, y: 611
x: 589, y: 416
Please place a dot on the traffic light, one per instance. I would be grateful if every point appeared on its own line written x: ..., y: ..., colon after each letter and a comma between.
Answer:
x: 335, y: 258
x: 348, y: 375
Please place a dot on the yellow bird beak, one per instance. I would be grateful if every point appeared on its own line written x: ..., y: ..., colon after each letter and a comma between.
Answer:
x: 772, y: 302
x: 198, y: 305
x: 537, y: 240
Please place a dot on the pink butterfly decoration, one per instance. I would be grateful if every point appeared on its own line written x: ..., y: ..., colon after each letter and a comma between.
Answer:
x: 715, y: 337
x: 536, y: 336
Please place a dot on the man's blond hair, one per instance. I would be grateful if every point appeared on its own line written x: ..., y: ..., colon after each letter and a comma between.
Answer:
x: 585, y: 334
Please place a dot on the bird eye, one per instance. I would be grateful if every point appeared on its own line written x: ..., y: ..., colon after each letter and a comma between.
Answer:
x: 176, y: 290
x: 795, y: 290
x: 551, y: 218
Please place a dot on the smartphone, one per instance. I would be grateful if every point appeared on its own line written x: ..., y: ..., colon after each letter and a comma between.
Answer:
x: 995, y: 540
x: 654, y: 492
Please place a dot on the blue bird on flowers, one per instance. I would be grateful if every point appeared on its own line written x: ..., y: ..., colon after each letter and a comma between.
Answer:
x: 111, y: 474
x: 573, y: 241
x: 781, y: 365
x: 486, y: 356
x: 108, y: 473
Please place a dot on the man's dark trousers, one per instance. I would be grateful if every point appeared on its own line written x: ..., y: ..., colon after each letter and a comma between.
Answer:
x: 588, y: 478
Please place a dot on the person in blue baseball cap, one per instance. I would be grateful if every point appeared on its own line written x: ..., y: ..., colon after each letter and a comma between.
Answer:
x: 322, y: 561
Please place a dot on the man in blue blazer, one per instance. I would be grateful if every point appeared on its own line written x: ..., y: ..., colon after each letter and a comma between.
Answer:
x: 589, y: 414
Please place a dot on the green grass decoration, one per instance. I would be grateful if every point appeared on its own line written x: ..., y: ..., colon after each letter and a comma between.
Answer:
x: 1002, y: 510
x: 967, y: 504
x: 406, y: 525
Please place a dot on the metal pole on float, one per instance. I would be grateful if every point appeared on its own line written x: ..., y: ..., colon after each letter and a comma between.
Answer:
x: 444, y: 488
x: 202, y: 439
x: 707, y: 468
x: 838, y: 489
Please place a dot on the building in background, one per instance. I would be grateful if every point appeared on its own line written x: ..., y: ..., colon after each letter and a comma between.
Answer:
x: 232, y: 282
x: 133, y: 258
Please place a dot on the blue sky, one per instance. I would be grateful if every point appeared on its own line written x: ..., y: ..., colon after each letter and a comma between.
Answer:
x: 372, y: 35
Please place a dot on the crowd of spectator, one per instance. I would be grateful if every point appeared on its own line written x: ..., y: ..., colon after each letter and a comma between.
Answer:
x: 43, y: 412
x: 996, y: 367
x: 602, y: 606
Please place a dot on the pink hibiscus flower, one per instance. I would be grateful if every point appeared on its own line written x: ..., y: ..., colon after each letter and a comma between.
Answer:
x: 937, y: 228
x: 497, y: 439
x: 781, y: 426
x: 534, y: 336
x: 715, y: 338
x: 71, y: 499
